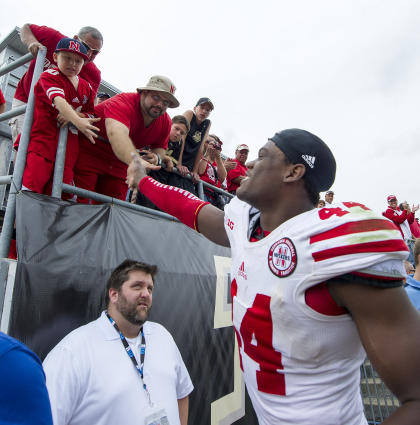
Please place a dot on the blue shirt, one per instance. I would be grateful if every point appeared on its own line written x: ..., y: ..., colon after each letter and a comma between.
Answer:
x: 23, y: 393
x: 413, y: 291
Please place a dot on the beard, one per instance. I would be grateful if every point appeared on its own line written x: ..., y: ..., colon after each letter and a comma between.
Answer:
x: 154, y: 111
x: 130, y: 312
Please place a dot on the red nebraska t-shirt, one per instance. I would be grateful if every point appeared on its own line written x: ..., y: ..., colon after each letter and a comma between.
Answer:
x: 44, y: 132
x: 125, y: 108
x: 49, y: 37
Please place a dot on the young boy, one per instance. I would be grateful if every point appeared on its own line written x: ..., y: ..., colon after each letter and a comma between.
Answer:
x: 60, y: 97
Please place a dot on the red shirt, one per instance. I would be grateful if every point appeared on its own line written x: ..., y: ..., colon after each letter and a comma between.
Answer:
x: 2, y: 100
x: 49, y: 37
x: 239, y: 170
x: 209, y: 176
x: 44, y: 134
x: 125, y: 108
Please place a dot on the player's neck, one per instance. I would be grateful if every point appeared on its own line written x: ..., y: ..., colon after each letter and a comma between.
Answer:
x: 275, y: 215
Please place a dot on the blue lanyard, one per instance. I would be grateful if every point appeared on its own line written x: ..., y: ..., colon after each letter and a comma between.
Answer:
x: 131, y: 354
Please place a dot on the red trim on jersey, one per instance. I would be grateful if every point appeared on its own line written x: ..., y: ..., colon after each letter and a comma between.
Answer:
x: 379, y: 246
x: 353, y: 227
x: 319, y: 299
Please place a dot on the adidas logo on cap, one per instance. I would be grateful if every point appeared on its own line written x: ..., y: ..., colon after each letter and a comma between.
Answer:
x: 310, y: 160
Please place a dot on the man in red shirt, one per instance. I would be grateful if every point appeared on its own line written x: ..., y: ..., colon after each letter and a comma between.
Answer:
x: 129, y: 122
x: 34, y: 37
x: 402, y: 219
x: 237, y: 174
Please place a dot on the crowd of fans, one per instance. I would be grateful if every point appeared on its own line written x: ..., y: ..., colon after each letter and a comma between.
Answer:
x: 104, y: 131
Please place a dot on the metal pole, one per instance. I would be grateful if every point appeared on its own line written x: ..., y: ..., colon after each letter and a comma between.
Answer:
x: 59, y: 163
x: 15, y: 64
x: 200, y: 189
x: 20, y: 162
x: 5, y: 179
x: 13, y: 113
x: 83, y: 193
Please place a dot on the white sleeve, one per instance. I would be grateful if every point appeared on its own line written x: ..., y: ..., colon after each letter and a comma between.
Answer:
x: 63, y: 384
x: 184, y: 385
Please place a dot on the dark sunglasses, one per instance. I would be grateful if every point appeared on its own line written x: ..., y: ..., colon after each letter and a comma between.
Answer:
x: 88, y: 48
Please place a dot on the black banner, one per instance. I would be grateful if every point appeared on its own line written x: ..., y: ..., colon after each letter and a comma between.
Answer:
x: 66, y: 253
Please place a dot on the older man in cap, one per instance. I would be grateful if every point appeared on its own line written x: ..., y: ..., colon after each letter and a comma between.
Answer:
x: 238, y: 173
x: 313, y: 290
x: 130, y: 122
x: 402, y: 219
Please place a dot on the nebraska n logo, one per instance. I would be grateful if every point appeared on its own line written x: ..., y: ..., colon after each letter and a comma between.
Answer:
x: 310, y: 160
x: 74, y: 45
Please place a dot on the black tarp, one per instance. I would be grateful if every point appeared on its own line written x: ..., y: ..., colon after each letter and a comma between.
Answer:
x: 66, y: 253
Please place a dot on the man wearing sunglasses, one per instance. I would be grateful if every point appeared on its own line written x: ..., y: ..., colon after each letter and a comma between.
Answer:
x: 130, y: 122
x: 34, y: 37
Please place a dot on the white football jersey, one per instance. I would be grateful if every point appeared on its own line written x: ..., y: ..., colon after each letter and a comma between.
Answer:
x: 302, y: 366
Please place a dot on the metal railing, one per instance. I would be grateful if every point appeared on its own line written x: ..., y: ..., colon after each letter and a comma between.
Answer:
x: 16, y: 179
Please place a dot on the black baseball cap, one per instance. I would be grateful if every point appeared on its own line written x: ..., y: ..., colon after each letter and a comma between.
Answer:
x: 204, y: 100
x: 303, y: 147
x: 103, y: 95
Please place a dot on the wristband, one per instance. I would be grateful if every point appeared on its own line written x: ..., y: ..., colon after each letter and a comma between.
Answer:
x: 175, y: 201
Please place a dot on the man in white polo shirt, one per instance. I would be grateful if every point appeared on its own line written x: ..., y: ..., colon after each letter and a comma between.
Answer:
x: 120, y: 368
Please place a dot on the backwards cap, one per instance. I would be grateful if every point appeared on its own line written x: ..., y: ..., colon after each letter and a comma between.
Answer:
x: 302, y: 147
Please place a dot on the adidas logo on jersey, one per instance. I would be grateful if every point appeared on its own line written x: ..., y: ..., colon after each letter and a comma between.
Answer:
x: 241, y: 271
x: 310, y: 160
x: 76, y: 100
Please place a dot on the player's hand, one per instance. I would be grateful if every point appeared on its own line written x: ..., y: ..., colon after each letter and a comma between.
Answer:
x: 137, y: 170
x: 168, y: 162
x: 34, y: 47
x: 195, y: 177
x: 149, y: 156
x: 415, y: 208
x: 230, y: 165
x: 85, y: 125
x: 183, y: 170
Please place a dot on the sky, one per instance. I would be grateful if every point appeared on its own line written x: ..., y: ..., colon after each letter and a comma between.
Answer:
x: 347, y: 71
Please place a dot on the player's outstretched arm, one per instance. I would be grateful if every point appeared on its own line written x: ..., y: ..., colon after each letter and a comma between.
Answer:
x: 389, y: 327
x: 183, y: 205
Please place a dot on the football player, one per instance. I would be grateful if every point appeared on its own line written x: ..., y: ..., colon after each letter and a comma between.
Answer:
x: 313, y: 290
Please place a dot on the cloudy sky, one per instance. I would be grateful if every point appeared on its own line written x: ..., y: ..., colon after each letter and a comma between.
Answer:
x: 348, y: 71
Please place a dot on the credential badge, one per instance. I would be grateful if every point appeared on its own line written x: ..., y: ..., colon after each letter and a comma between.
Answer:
x: 282, y: 258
